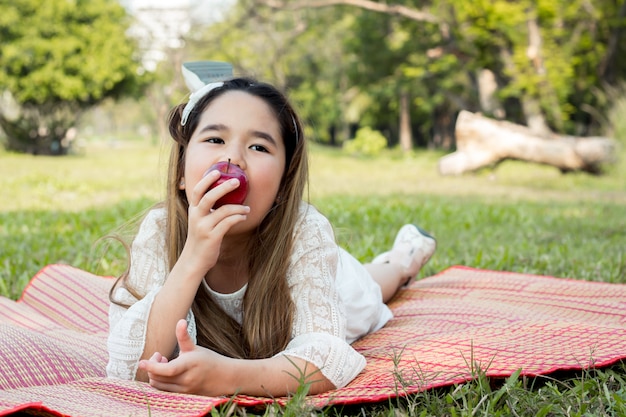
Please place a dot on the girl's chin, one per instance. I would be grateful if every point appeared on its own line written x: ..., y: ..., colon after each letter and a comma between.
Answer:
x: 247, y: 227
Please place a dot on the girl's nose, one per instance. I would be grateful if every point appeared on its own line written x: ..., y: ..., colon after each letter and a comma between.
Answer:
x: 235, y: 156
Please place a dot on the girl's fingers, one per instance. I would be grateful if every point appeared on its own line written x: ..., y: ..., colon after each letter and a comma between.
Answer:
x: 158, y: 358
x: 202, y: 187
x: 166, y: 386
x: 184, y: 340
x: 207, y: 201
x: 225, y: 216
x: 205, y: 198
x: 160, y: 370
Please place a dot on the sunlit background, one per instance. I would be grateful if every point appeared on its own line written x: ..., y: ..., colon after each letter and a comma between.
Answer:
x: 86, y: 87
x: 380, y: 87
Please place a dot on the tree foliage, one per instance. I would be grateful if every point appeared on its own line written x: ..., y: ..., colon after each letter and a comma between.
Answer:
x: 353, y: 63
x: 300, y: 52
x: 58, y: 58
x: 552, y: 61
x: 557, y: 53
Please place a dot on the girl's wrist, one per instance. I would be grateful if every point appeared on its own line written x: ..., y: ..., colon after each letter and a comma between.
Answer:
x: 188, y: 266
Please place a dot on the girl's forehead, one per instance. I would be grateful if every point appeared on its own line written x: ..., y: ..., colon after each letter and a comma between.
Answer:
x: 237, y: 100
x: 240, y: 109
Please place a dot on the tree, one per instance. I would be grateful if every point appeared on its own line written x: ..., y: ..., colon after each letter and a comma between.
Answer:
x: 391, y: 45
x: 550, y: 60
x: 300, y: 52
x: 547, y: 56
x: 414, y: 87
x: 57, y: 59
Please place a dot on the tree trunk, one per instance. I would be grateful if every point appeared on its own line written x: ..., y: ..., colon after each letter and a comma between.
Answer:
x: 443, y: 128
x: 487, y: 89
x: 38, y: 129
x: 608, y: 65
x: 483, y: 142
x: 406, y: 134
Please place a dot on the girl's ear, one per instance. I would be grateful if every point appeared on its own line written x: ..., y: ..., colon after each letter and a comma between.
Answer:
x: 181, y: 184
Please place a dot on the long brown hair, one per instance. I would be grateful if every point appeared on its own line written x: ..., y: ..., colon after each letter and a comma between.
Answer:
x: 268, y: 308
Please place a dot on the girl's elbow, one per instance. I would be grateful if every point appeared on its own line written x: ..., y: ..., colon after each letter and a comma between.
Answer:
x: 321, y: 385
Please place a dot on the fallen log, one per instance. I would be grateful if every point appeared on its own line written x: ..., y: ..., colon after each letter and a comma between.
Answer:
x: 483, y: 142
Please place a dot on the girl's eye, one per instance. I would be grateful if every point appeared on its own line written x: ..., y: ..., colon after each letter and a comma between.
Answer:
x: 259, y: 148
x: 214, y: 140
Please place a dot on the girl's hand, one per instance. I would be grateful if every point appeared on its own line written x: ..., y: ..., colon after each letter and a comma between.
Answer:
x: 207, y: 227
x: 195, y: 371
x: 201, y: 371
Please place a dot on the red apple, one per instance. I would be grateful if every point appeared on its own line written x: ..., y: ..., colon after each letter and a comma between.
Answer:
x: 228, y: 171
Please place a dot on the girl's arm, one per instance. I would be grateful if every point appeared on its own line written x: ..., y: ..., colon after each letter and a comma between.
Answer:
x: 170, y: 304
x: 156, y: 303
x: 201, y: 371
x: 147, y: 326
x: 318, y: 354
x: 199, y: 255
x: 148, y: 270
x: 320, y: 322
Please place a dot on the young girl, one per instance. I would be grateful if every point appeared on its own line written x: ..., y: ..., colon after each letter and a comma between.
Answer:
x: 253, y: 298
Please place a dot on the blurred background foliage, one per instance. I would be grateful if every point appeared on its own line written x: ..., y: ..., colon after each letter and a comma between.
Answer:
x: 73, y: 69
x: 57, y: 59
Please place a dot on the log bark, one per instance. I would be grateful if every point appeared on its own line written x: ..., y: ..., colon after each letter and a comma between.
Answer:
x: 483, y: 142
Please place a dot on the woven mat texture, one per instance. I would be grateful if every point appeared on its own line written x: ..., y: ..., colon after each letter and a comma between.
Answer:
x: 445, y: 327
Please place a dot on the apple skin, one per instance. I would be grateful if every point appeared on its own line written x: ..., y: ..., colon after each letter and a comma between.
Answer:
x: 228, y: 171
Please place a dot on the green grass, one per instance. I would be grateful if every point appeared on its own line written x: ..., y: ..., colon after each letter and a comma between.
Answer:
x: 519, y: 217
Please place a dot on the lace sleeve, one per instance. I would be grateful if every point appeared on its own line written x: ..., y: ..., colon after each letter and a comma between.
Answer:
x: 319, y: 332
x: 148, y: 271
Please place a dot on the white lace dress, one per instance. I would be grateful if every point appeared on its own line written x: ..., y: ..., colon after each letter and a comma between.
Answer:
x: 336, y: 300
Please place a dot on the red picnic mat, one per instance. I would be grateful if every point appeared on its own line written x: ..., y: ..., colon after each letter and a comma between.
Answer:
x: 53, y: 353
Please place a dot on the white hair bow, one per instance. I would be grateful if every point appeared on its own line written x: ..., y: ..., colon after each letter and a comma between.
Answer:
x: 196, y: 75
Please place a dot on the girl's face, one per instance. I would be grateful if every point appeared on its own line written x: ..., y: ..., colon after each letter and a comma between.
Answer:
x: 243, y: 128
